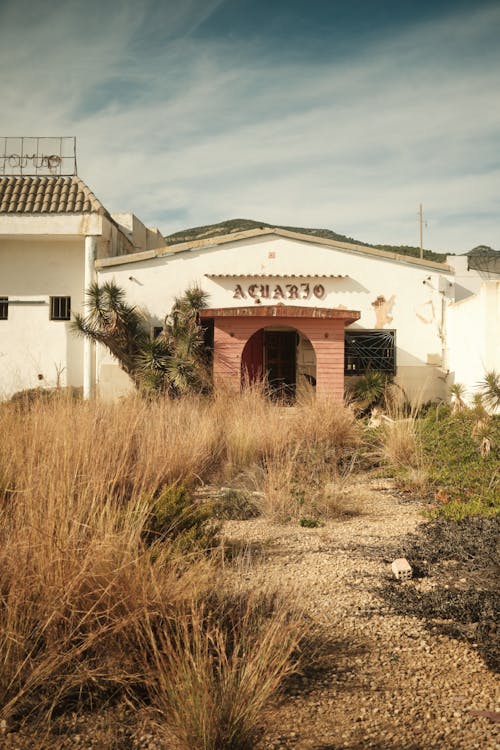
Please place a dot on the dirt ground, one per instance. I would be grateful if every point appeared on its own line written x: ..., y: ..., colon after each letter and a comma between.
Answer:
x: 378, y: 680
x: 371, y: 678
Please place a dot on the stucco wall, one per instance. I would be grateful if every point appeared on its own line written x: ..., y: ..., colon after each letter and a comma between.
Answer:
x: 389, y: 294
x: 474, y: 336
x: 30, y: 343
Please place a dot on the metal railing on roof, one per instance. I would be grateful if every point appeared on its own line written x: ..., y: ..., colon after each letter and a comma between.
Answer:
x: 31, y: 156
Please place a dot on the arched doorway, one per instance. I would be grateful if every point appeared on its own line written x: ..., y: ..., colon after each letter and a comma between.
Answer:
x: 281, y: 355
x: 323, y: 327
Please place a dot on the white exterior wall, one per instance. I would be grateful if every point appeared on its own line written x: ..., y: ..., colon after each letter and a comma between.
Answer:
x: 474, y: 336
x: 416, y: 296
x: 31, y: 345
x: 42, y: 256
x: 467, y: 281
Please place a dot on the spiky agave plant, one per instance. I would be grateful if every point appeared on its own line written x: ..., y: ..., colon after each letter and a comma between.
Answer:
x: 490, y: 390
x: 174, y: 362
x: 111, y: 321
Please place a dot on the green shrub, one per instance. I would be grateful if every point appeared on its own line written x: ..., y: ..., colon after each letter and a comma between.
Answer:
x: 237, y: 505
x: 177, y: 517
x: 310, y: 523
x: 466, y: 480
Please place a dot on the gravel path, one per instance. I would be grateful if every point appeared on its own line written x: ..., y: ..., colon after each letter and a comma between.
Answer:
x: 376, y: 679
x: 379, y: 680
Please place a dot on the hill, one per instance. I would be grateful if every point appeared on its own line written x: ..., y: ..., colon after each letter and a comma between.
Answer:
x: 233, y: 226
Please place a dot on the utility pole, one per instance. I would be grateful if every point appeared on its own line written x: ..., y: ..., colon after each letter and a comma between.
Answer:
x: 421, y: 233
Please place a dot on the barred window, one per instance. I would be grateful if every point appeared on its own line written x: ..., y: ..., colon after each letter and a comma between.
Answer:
x: 4, y: 308
x: 60, y: 308
x: 370, y: 350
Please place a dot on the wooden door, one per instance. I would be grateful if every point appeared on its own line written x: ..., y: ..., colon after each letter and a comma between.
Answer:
x: 280, y: 362
x: 252, y: 359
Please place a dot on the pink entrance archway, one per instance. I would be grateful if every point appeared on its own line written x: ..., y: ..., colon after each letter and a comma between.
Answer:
x: 324, y: 327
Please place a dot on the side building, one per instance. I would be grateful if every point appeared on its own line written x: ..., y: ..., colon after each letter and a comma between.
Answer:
x: 52, y: 230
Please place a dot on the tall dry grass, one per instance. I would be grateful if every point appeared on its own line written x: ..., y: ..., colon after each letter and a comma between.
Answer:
x: 314, y: 458
x: 78, y: 578
x: 215, y: 671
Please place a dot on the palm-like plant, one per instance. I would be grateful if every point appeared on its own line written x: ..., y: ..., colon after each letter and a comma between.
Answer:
x: 490, y: 389
x: 458, y: 392
x: 175, y: 362
x: 111, y: 321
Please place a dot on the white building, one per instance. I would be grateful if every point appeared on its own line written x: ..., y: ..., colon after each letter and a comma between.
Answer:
x: 295, y: 306
x: 351, y: 306
x: 52, y: 229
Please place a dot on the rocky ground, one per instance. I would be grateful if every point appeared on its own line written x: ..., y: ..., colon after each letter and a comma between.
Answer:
x: 371, y: 678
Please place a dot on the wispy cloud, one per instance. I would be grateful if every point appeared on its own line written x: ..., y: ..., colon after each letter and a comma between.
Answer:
x: 185, y: 130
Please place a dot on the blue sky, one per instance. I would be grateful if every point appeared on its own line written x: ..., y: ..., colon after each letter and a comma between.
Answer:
x: 332, y: 114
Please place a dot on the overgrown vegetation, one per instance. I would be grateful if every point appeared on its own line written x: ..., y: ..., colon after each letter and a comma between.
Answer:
x: 175, y: 362
x: 112, y: 582
x: 461, y: 451
x: 95, y: 545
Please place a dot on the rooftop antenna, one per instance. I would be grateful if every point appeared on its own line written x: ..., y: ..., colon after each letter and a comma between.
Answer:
x: 421, y: 224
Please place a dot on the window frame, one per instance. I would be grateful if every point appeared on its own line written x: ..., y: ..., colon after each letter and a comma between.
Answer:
x: 361, y: 357
x: 63, y: 312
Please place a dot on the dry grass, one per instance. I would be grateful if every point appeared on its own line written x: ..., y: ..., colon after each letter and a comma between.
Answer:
x: 216, y: 670
x: 79, y: 580
x: 400, y: 444
x: 305, y: 476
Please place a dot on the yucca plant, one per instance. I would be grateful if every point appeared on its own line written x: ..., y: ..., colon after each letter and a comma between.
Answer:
x: 490, y: 390
x: 175, y: 362
x: 111, y: 321
x: 457, y: 392
x: 369, y: 390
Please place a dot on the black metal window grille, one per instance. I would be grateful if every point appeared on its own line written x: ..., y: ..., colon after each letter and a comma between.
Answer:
x: 4, y: 308
x: 60, y: 308
x: 369, y: 350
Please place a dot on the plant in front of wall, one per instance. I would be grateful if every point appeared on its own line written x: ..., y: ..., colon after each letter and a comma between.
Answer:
x: 173, y: 363
x: 490, y: 390
x: 458, y: 392
x: 369, y: 390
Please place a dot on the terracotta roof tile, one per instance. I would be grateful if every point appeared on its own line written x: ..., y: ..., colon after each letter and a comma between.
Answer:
x: 55, y: 195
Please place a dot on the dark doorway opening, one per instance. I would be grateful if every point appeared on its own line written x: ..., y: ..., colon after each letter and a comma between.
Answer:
x: 280, y: 360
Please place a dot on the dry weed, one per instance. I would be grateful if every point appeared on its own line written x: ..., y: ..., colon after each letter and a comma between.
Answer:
x: 217, y: 668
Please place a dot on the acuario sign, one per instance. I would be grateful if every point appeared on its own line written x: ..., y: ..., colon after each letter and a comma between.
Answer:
x: 279, y: 291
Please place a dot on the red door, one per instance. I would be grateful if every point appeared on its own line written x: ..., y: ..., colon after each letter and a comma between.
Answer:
x: 252, y: 359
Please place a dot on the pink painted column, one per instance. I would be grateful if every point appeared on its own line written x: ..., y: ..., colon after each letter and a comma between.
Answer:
x: 327, y: 338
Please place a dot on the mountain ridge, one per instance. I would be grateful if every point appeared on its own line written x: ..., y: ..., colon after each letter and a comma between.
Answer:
x: 233, y: 226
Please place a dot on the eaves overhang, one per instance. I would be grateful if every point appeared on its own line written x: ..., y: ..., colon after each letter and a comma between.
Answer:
x: 251, y: 274
x: 282, y: 311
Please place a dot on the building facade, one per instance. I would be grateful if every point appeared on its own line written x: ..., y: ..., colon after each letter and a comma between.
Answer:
x: 298, y: 307
x: 294, y: 308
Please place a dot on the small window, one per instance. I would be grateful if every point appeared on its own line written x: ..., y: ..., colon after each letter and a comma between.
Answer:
x: 4, y: 308
x: 60, y: 308
x: 369, y: 350
x: 157, y: 331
